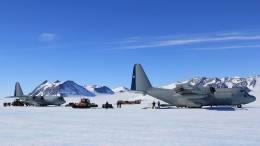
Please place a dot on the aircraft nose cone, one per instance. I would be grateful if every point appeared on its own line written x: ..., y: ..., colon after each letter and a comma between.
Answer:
x: 61, y: 100
x: 252, y: 98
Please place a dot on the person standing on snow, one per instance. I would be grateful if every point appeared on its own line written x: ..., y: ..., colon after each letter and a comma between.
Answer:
x: 153, y: 105
x: 159, y: 104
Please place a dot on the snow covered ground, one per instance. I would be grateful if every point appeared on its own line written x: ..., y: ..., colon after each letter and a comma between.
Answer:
x: 130, y: 125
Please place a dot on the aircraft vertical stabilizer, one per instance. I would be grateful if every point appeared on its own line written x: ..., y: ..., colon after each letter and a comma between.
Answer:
x: 18, y: 90
x: 140, y: 81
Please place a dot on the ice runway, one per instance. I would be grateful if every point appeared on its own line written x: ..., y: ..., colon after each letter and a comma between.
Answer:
x: 189, y: 127
x: 131, y: 125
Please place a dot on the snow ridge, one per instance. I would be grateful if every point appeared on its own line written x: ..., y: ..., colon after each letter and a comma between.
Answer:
x: 121, y: 89
x: 99, y: 89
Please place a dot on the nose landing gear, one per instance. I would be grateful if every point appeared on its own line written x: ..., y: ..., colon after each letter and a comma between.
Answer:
x: 239, y: 106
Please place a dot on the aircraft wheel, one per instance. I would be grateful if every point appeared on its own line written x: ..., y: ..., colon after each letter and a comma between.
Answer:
x: 198, y: 106
x: 194, y: 107
x: 239, y: 106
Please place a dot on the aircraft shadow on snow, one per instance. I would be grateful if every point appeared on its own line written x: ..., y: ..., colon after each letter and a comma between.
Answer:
x: 220, y: 108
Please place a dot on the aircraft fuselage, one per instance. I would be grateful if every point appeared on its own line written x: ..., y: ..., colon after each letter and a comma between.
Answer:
x: 222, y: 96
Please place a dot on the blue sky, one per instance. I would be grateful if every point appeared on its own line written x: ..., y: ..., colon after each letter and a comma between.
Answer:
x: 98, y: 41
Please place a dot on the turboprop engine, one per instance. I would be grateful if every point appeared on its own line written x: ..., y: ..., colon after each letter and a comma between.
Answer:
x: 188, y: 89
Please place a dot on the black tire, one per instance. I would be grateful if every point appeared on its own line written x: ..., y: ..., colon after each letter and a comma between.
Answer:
x: 239, y: 106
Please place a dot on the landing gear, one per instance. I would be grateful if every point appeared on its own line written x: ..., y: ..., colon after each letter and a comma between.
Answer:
x: 239, y: 106
x: 193, y: 106
x: 198, y: 106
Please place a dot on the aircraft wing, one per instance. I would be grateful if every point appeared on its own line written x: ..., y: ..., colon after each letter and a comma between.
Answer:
x: 15, y: 96
x: 188, y: 89
x: 10, y: 97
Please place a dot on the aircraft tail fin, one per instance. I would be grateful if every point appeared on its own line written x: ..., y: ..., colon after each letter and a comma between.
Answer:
x: 18, y: 90
x: 140, y: 81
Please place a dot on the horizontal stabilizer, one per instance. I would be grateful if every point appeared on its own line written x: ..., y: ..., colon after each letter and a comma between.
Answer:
x: 10, y: 97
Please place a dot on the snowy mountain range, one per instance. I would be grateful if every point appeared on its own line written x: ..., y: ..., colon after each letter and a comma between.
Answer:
x: 67, y: 88
x: 99, y: 89
x: 70, y: 88
x: 248, y: 83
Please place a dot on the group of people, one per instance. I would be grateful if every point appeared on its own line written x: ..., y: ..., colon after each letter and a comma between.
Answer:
x: 119, y: 104
x: 158, y: 104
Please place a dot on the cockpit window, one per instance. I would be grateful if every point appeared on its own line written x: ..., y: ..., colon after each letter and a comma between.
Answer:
x: 245, y: 94
x: 60, y: 98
